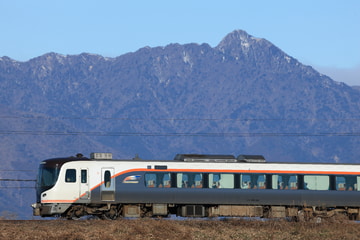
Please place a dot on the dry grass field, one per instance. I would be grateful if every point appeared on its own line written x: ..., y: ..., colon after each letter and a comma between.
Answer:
x: 177, y: 229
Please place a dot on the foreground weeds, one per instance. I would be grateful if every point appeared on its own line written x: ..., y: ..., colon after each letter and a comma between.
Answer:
x: 176, y: 229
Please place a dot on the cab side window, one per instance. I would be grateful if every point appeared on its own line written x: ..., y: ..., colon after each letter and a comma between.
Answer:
x: 83, y: 176
x: 70, y: 175
x: 107, y: 179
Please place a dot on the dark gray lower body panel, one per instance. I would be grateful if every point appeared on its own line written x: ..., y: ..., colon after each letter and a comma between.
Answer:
x: 241, y: 197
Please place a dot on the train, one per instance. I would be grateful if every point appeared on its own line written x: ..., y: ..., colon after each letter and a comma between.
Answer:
x: 195, y: 185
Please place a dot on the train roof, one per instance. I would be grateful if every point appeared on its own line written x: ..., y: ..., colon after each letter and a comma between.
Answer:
x: 57, y: 162
x: 204, y: 158
x: 219, y: 158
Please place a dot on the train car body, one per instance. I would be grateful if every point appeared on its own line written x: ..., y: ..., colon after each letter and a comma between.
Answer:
x: 195, y: 186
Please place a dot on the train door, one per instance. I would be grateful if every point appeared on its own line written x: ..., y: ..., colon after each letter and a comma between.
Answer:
x: 107, y: 187
x: 84, y: 184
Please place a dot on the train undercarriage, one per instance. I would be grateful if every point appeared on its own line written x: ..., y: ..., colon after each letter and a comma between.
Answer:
x: 295, y: 213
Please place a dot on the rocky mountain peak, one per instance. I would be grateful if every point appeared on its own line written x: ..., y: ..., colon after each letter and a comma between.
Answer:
x: 237, y: 38
x: 239, y: 43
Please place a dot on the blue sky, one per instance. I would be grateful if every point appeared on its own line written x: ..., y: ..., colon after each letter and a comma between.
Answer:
x: 321, y: 33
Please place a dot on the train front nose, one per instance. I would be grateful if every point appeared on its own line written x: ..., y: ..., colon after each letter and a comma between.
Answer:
x: 36, y: 209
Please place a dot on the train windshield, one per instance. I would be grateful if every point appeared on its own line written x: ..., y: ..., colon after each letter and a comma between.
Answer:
x: 47, y: 177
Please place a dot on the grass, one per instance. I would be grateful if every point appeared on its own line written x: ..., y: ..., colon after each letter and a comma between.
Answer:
x: 176, y: 229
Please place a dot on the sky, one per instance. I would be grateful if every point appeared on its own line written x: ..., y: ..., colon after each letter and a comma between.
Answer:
x: 322, y: 33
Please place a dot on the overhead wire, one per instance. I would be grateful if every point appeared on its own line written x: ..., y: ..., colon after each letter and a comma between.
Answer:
x: 168, y: 134
x: 5, y: 170
x: 179, y: 119
x: 181, y: 134
x: 17, y: 180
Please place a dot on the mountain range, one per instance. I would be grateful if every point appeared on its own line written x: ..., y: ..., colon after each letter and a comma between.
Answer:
x: 243, y: 96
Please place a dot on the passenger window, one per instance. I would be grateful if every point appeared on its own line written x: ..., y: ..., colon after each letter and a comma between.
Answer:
x: 70, y: 175
x: 189, y: 180
x: 159, y: 180
x: 221, y: 180
x: 284, y: 182
x: 165, y: 179
x: 346, y: 183
x: 316, y: 182
x: 150, y: 180
x: 107, y: 179
x: 198, y: 180
x: 253, y: 181
x: 181, y: 180
x: 83, y: 176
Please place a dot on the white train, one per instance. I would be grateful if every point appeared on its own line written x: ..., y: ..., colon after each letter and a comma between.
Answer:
x: 195, y: 186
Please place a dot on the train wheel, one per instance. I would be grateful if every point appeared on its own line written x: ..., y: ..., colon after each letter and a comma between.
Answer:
x: 112, y: 214
x: 73, y: 216
x: 75, y: 213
